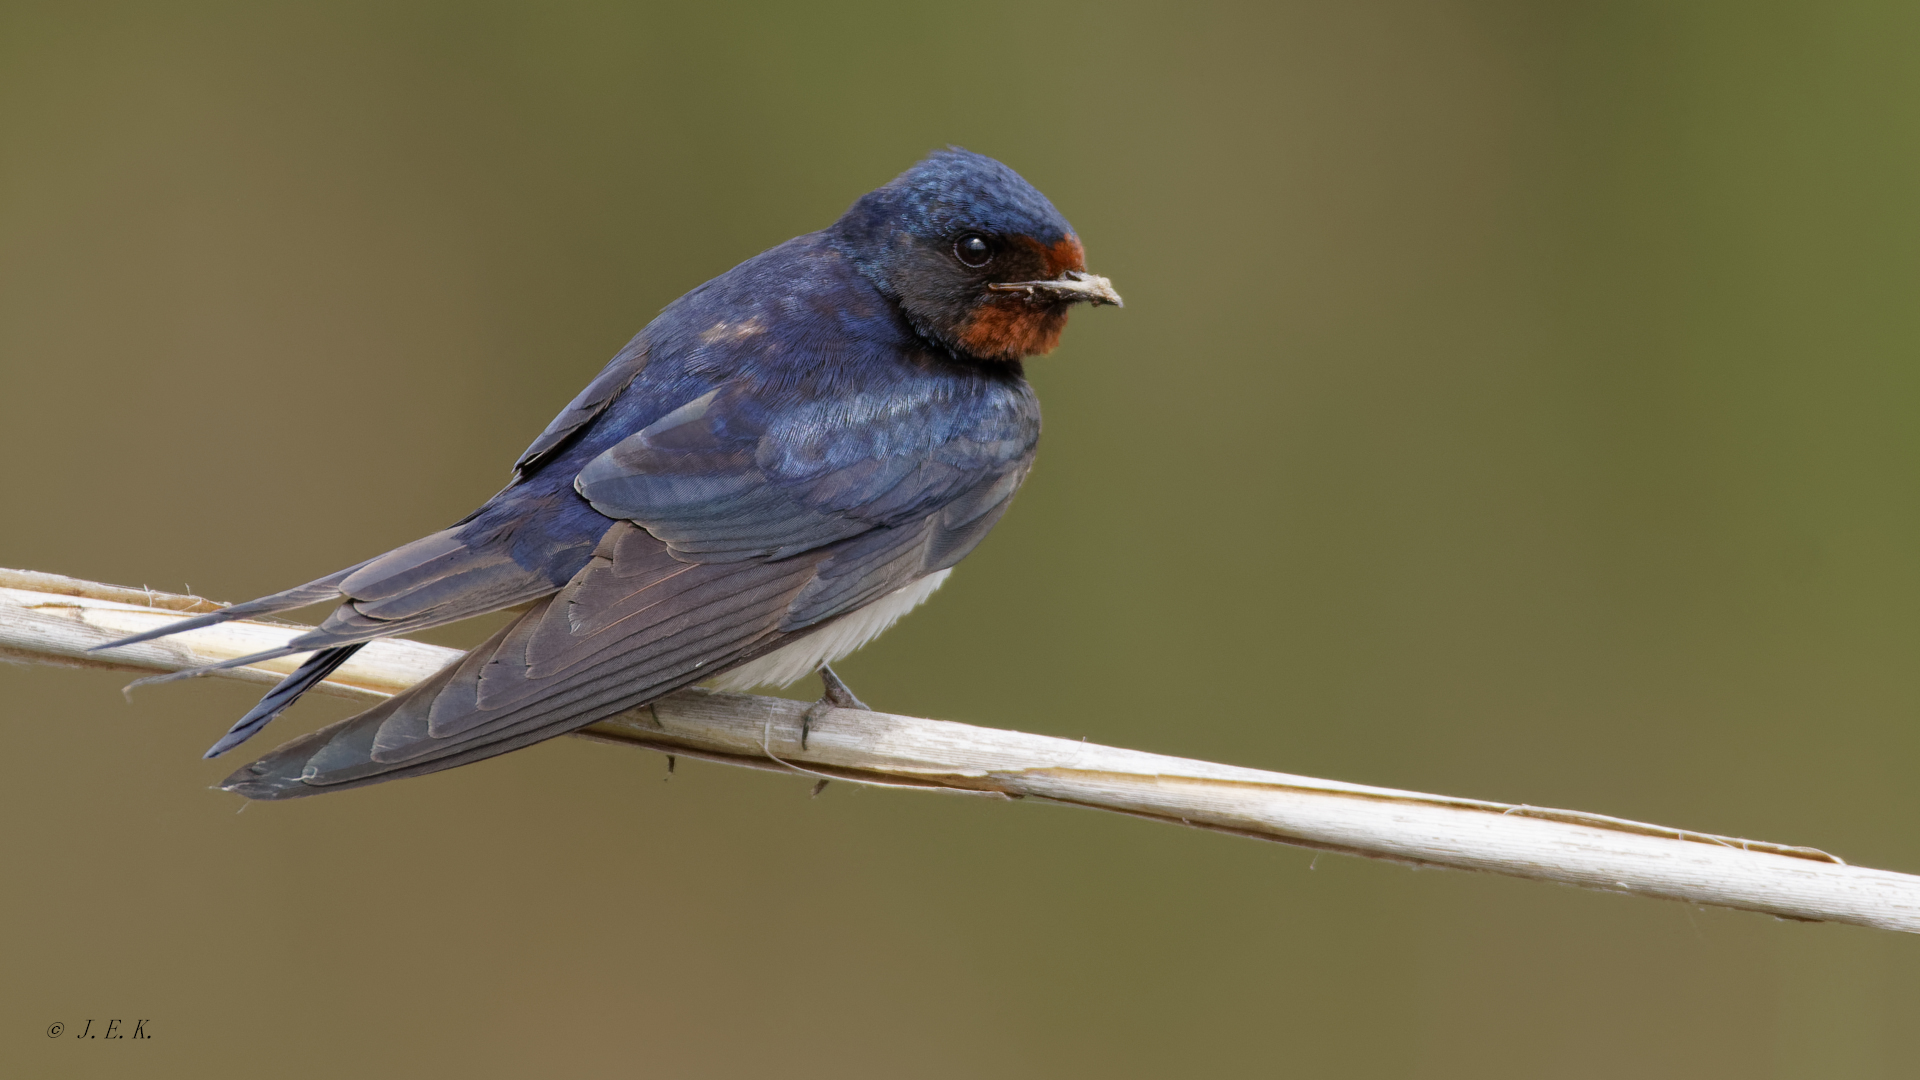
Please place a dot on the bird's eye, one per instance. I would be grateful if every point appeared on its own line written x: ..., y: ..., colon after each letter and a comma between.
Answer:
x: 973, y: 250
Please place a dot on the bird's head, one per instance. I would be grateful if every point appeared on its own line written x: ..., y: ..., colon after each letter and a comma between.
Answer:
x: 976, y: 258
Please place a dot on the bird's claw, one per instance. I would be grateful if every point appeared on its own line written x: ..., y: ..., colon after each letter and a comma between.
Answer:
x: 834, y: 694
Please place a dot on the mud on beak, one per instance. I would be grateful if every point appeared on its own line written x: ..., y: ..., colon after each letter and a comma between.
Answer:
x: 1071, y: 287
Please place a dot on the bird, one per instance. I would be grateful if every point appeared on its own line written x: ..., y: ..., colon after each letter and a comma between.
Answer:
x: 780, y: 465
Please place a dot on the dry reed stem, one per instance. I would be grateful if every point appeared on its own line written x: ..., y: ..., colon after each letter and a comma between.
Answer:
x: 46, y: 618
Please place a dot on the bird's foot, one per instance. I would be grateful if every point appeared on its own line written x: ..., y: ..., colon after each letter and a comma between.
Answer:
x: 834, y: 695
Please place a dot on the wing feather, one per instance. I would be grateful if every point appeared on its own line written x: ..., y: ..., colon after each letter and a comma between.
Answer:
x: 540, y: 677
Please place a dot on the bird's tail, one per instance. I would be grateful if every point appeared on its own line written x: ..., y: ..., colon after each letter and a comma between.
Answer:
x: 317, y: 668
x: 516, y: 549
x: 313, y: 592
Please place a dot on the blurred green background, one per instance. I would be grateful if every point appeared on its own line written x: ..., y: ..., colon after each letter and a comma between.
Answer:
x: 1513, y: 400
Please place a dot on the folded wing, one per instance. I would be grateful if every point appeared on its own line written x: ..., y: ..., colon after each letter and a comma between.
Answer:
x: 752, y: 513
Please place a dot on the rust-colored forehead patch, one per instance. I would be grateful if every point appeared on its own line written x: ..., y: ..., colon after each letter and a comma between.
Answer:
x: 1065, y: 254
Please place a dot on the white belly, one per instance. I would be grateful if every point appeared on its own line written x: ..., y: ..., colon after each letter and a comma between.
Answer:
x: 804, y: 657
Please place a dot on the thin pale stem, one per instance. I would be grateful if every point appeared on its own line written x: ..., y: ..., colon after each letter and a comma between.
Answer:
x: 45, y: 618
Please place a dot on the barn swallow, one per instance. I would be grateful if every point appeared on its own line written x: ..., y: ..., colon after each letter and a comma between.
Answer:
x: 783, y: 463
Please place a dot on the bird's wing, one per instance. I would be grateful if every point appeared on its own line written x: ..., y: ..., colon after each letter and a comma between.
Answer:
x: 724, y: 555
x: 725, y: 477
x: 634, y: 625
x: 585, y: 408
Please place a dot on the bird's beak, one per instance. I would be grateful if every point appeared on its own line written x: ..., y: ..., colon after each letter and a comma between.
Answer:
x: 1071, y: 287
